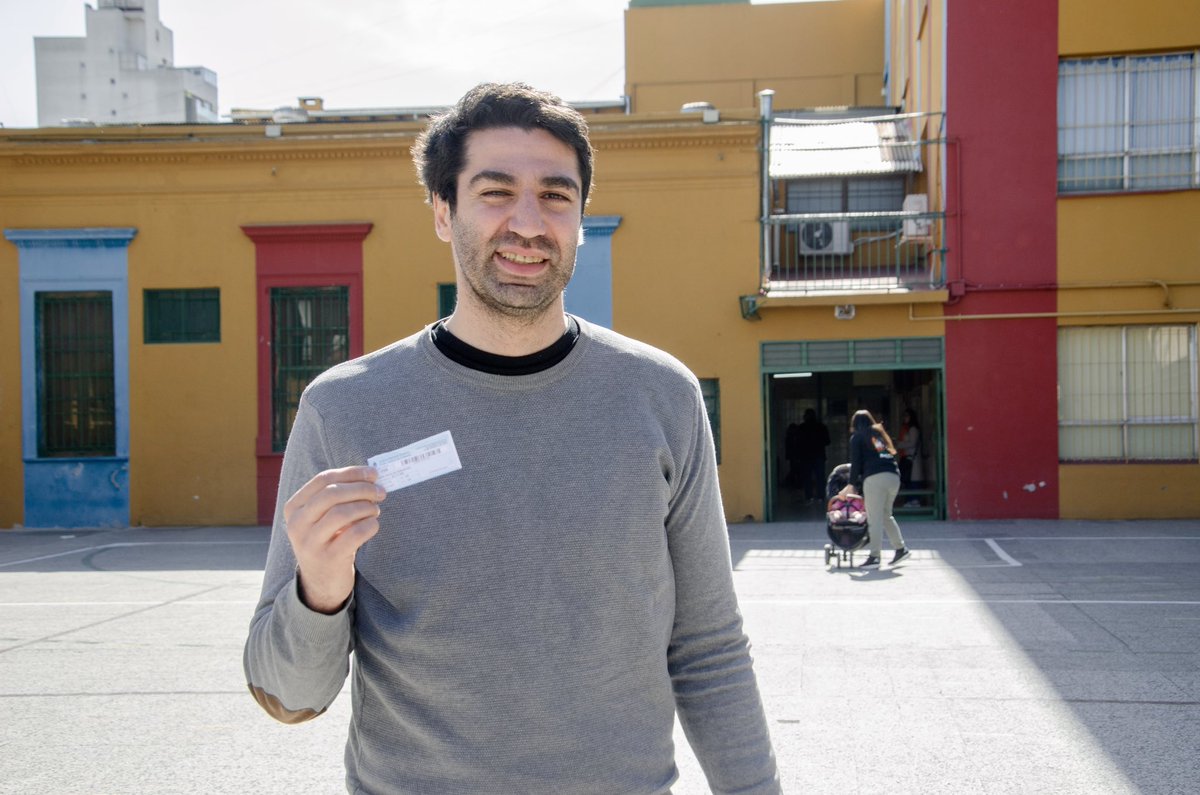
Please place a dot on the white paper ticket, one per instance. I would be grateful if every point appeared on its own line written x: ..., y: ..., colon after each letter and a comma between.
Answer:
x: 416, y: 462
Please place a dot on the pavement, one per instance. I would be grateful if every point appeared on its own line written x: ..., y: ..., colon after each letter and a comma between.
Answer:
x: 1003, y: 657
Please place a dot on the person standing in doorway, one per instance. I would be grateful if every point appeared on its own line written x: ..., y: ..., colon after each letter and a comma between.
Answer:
x: 909, y: 450
x: 875, y: 475
x: 812, y: 437
x: 516, y: 623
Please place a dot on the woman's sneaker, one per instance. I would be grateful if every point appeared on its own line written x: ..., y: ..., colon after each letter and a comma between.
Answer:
x: 870, y: 563
x: 902, y: 554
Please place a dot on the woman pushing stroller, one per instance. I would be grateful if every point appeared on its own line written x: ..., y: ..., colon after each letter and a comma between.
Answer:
x: 875, y: 475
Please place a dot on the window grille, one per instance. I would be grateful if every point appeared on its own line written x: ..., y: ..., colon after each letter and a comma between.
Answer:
x: 710, y: 388
x: 182, y: 316
x: 856, y: 195
x: 1127, y: 393
x: 851, y: 354
x: 1128, y: 123
x: 76, y: 403
x: 447, y: 297
x: 310, y: 332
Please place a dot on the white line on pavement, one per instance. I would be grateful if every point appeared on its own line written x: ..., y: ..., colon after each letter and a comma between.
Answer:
x: 124, y: 544
x: 882, y: 602
x: 934, y: 540
x: 1004, y: 556
x: 1131, y: 602
x: 184, y: 603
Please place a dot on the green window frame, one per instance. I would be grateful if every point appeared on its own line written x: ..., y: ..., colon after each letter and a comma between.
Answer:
x: 310, y: 332
x: 710, y: 389
x: 447, y: 297
x: 1128, y: 394
x: 76, y: 387
x: 181, y: 316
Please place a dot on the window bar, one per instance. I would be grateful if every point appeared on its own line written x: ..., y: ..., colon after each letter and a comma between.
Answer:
x: 76, y: 414
x: 1196, y: 118
x: 1194, y: 356
x: 1127, y: 122
x: 1125, y: 440
x: 310, y: 332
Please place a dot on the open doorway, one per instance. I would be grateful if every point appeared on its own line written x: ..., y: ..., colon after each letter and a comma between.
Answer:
x: 833, y: 396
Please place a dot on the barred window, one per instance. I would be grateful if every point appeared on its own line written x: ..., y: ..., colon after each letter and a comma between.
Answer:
x: 861, y: 194
x: 1128, y: 123
x: 76, y: 404
x: 710, y: 388
x: 310, y: 332
x: 447, y: 296
x: 182, y: 315
x: 1127, y: 393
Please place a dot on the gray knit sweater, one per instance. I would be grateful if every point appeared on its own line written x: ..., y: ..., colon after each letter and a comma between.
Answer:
x: 531, y: 622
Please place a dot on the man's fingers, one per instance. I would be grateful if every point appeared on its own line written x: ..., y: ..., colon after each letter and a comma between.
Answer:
x: 323, y: 481
x: 324, y: 518
x: 357, y: 533
x: 335, y: 494
x: 338, y: 519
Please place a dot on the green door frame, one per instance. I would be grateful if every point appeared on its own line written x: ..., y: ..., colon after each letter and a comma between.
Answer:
x: 831, y: 356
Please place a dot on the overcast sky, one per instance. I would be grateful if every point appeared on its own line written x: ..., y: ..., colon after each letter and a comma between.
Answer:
x: 354, y: 53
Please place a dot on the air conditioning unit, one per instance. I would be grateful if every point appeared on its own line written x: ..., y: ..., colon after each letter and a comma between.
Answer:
x: 825, y: 237
x: 917, y: 228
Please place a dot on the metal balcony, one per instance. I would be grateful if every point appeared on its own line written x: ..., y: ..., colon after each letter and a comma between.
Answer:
x: 822, y: 253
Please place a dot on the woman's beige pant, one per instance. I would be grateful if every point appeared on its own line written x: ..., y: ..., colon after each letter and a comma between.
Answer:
x: 879, y: 494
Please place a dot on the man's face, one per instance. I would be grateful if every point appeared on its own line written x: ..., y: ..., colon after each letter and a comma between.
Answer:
x: 515, y: 228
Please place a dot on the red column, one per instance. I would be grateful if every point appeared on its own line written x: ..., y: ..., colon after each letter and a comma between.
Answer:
x: 1001, y: 374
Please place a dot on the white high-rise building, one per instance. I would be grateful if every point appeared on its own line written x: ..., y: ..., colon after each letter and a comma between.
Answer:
x: 121, y: 72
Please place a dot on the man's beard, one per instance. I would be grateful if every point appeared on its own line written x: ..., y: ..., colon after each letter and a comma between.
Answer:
x: 502, y: 293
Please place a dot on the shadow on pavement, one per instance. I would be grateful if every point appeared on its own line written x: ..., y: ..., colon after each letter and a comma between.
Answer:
x: 1062, y: 654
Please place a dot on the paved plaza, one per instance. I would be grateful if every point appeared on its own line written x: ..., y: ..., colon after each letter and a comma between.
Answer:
x: 1004, y: 657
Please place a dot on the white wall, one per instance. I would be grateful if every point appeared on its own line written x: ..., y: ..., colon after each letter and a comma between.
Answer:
x: 121, y: 72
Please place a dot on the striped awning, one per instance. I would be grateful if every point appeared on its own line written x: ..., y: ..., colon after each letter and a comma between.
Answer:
x: 853, y: 147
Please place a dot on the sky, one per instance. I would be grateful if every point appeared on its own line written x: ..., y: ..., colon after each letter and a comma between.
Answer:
x: 353, y: 53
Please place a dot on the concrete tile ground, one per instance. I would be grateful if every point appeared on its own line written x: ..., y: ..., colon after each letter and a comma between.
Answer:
x: 1010, y: 657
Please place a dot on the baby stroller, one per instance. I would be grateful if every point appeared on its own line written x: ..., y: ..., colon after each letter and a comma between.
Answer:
x: 845, y: 519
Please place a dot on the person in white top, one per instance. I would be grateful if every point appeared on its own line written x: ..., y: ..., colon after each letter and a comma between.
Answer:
x: 908, y: 446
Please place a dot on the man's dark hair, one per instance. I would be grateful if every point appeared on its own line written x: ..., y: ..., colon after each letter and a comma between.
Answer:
x: 440, y: 151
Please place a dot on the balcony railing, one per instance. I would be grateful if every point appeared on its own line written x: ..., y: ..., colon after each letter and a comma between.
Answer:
x: 853, y: 252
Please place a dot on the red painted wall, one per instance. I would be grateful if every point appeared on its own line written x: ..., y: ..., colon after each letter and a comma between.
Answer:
x: 1001, y: 374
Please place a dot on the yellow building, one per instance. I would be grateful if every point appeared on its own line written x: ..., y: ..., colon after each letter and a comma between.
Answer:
x: 1129, y: 257
x: 816, y: 206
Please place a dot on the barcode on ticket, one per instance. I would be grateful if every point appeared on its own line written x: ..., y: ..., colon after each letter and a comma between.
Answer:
x: 416, y: 462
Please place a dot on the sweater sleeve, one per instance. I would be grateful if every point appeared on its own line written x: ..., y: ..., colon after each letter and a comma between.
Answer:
x: 296, y: 660
x: 709, y: 661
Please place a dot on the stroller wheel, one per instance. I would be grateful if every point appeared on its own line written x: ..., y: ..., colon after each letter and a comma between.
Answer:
x: 828, y: 553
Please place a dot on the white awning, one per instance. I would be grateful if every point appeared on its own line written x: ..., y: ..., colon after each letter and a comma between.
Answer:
x: 842, y: 148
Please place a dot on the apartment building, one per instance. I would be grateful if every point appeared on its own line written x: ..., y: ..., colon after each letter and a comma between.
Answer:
x: 121, y: 72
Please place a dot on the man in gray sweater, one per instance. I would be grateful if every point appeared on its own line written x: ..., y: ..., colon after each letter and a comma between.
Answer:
x: 534, y: 575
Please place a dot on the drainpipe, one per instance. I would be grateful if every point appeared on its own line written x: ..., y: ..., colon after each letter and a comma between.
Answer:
x: 765, y: 99
x: 1192, y: 310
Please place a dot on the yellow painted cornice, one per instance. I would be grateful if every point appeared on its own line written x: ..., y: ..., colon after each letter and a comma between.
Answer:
x: 127, y: 157
x: 672, y: 131
x: 227, y: 149
x: 206, y: 133
x: 69, y: 146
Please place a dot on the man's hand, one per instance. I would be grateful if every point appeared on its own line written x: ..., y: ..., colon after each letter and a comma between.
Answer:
x: 327, y: 520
